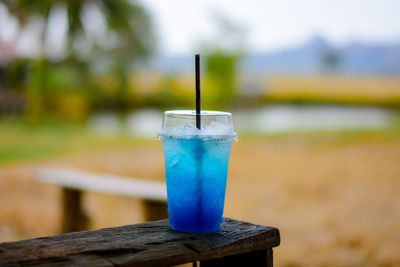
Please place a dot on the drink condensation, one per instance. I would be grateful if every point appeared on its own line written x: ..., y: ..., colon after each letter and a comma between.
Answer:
x: 196, y: 164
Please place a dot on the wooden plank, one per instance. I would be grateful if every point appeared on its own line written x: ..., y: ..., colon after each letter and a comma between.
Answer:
x: 105, y: 183
x: 146, y: 244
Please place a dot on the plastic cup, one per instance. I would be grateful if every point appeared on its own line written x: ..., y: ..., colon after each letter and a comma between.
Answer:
x: 196, y: 166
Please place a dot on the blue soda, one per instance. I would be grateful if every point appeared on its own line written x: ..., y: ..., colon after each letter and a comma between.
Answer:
x: 196, y: 172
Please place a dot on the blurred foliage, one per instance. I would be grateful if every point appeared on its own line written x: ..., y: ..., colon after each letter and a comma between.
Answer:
x: 71, y: 85
x: 222, y: 58
x: 125, y: 20
x: 16, y: 74
x: 221, y: 75
x: 102, y: 76
x: 61, y: 89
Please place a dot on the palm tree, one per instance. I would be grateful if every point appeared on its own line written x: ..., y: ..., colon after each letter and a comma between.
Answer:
x: 125, y: 21
x: 126, y: 36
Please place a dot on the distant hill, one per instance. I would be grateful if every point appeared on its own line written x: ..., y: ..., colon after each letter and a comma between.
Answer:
x: 315, y: 56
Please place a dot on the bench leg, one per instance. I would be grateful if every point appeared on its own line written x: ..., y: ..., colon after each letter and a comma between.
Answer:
x: 73, y: 217
x: 154, y: 210
x: 258, y: 258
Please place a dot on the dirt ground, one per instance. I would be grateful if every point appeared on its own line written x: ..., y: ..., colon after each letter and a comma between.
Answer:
x: 335, y: 202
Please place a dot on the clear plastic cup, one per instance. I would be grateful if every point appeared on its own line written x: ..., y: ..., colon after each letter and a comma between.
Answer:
x: 196, y: 165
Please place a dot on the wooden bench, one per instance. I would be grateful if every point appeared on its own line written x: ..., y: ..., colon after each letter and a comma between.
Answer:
x: 74, y: 183
x: 147, y: 244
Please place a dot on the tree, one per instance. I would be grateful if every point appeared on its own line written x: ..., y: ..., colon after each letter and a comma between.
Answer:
x: 330, y: 60
x: 125, y: 21
x: 221, y: 71
x: 124, y: 35
x: 223, y: 54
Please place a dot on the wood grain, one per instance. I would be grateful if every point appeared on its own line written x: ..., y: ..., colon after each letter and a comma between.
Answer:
x: 146, y: 244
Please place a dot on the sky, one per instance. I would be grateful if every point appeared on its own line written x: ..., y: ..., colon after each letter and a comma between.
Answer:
x: 183, y: 25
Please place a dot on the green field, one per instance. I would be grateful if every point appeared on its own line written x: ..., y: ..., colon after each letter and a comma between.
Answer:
x: 23, y: 140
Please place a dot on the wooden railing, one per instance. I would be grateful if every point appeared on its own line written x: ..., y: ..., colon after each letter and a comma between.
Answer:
x: 147, y: 244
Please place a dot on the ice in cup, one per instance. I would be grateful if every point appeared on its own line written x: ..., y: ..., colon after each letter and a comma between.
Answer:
x: 196, y: 165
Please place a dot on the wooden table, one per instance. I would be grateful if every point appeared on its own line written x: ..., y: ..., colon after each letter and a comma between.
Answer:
x: 147, y: 244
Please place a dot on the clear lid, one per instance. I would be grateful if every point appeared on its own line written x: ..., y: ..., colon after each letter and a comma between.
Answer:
x: 182, y: 124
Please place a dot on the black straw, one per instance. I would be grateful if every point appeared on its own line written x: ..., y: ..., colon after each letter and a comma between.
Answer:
x: 198, y: 111
x: 199, y: 146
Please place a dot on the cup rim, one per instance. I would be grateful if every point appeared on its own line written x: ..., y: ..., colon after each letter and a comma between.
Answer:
x: 206, y: 113
x: 191, y: 114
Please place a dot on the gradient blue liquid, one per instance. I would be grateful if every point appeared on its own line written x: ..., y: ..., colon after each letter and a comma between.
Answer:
x: 196, y: 171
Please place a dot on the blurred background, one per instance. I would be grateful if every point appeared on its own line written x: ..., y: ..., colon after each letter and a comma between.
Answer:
x: 313, y: 86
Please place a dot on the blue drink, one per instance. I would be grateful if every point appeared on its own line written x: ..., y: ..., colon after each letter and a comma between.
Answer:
x: 196, y: 171
x: 196, y: 166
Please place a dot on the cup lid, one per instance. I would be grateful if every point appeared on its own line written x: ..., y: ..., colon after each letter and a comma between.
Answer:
x: 182, y: 124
